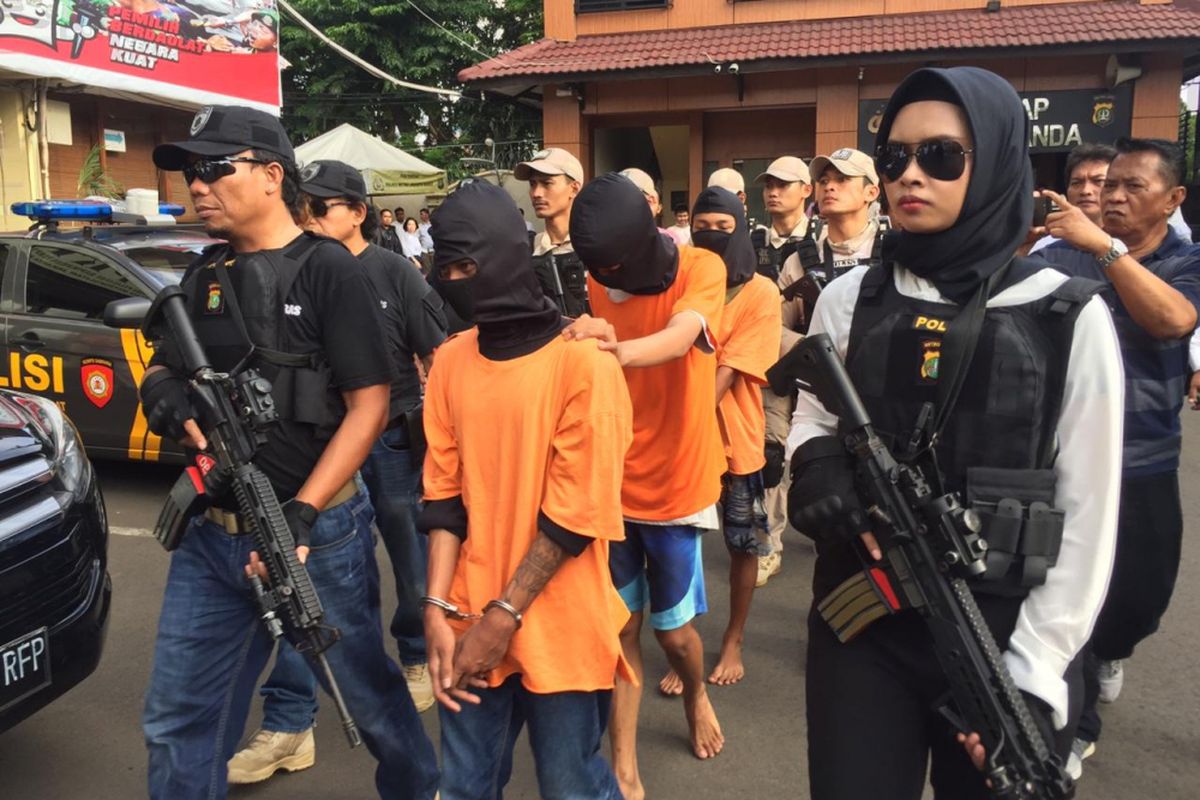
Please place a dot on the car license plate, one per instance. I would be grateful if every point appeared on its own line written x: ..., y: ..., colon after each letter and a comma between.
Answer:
x: 24, y: 667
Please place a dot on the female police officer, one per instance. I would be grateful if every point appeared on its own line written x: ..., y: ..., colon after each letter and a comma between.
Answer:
x: 1037, y: 418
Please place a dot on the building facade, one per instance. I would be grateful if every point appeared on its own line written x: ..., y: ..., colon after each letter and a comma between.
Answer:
x: 682, y: 88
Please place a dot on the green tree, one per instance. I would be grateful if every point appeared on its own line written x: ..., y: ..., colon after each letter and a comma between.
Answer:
x: 322, y: 89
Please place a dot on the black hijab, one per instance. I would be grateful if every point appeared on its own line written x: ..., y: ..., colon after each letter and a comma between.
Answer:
x: 996, y: 213
x: 735, y: 249
x: 611, y: 225
x: 480, y: 222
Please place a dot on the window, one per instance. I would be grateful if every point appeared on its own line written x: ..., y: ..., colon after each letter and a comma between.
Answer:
x: 588, y: 6
x: 72, y: 283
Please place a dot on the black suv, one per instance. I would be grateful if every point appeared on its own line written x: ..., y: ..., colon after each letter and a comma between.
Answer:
x: 55, y: 591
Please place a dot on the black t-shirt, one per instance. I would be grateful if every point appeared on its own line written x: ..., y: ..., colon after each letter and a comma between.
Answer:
x: 412, y: 313
x: 331, y: 307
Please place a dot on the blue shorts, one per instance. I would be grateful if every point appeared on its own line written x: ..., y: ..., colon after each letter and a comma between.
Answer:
x: 660, y: 565
x: 744, y: 513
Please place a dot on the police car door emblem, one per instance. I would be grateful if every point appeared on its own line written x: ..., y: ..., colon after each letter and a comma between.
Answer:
x: 201, y: 119
x: 96, y: 375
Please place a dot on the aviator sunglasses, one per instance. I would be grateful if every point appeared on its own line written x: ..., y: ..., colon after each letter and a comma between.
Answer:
x: 940, y: 159
x: 210, y: 170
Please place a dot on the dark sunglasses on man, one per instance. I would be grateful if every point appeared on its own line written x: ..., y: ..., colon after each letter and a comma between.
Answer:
x: 211, y: 170
x: 320, y: 206
x: 940, y: 159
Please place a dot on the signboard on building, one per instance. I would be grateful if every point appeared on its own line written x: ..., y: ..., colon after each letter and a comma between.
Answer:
x: 195, y: 51
x: 395, y: 181
x: 1058, y: 120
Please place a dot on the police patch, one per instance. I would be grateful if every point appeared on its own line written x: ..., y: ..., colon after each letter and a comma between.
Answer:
x: 841, y: 155
x: 931, y: 356
x: 309, y: 173
x: 201, y: 119
x: 214, y: 303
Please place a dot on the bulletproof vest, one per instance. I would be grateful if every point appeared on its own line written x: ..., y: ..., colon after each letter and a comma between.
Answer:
x: 564, y: 280
x: 770, y: 259
x: 254, y: 322
x: 999, y: 443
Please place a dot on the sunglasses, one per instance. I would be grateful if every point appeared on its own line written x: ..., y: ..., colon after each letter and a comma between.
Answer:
x: 211, y: 170
x: 940, y: 159
x: 320, y: 207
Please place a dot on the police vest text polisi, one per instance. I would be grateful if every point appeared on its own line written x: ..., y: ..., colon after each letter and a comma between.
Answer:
x: 302, y: 383
x: 564, y: 280
x: 997, y: 447
x: 770, y: 259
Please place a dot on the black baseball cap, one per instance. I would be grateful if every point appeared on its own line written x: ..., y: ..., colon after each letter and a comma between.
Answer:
x: 224, y: 131
x: 332, y: 179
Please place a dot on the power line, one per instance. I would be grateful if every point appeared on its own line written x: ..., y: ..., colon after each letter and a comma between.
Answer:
x: 371, y: 68
x: 449, y: 32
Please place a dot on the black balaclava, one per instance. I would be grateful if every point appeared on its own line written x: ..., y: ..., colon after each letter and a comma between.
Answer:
x: 611, y: 225
x: 480, y: 222
x: 999, y: 204
x: 735, y: 249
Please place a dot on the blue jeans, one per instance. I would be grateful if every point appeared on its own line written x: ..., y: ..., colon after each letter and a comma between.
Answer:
x: 211, y: 647
x: 565, y: 733
x: 290, y: 692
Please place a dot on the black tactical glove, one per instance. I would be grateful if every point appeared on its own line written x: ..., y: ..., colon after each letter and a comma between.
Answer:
x: 822, y: 501
x: 772, y: 471
x: 166, y: 403
x: 300, y: 518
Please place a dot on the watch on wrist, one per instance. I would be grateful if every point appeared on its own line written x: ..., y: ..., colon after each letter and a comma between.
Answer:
x: 1116, y: 249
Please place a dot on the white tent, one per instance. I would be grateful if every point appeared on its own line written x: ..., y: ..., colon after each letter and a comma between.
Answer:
x: 387, y: 170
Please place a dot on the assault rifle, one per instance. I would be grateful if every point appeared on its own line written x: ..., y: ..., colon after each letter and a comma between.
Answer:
x: 235, y: 411
x: 931, y: 545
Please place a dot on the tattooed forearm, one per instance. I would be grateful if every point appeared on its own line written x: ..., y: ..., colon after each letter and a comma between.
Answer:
x: 534, y: 572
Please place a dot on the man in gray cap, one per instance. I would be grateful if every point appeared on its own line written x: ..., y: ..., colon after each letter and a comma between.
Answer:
x: 415, y: 325
x: 555, y: 177
x: 786, y: 187
x: 333, y: 404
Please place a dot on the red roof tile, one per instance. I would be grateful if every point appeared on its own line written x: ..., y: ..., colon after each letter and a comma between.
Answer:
x: 946, y: 31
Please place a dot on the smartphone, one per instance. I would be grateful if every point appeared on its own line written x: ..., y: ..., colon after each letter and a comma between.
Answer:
x: 1043, y: 207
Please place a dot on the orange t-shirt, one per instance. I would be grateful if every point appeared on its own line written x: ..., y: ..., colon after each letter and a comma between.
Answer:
x: 674, y: 467
x: 748, y: 342
x: 546, y: 432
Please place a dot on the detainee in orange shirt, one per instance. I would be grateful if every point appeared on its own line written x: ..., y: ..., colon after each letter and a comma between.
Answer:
x: 657, y: 307
x: 527, y: 434
x: 747, y: 346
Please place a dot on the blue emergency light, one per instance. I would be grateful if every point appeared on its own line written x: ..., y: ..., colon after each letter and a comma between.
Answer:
x: 79, y: 210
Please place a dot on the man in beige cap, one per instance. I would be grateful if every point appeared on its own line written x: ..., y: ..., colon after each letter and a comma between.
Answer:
x: 730, y: 180
x: 786, y: 186
x: 847, y: 234
x: 555, y: 177
x: 645, y: 184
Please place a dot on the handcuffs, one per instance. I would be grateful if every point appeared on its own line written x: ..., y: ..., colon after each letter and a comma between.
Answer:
x: 453, y: 611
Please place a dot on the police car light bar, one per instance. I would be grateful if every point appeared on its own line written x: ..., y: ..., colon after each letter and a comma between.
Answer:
x: 82, y: 210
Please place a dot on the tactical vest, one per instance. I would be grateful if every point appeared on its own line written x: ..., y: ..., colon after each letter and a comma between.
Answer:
x: 770, y: 259
x: 999, y: 444
x: 564, y: 280
x: 302, y: 383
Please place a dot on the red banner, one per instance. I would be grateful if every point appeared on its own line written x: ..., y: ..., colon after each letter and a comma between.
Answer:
x: 196, y: 51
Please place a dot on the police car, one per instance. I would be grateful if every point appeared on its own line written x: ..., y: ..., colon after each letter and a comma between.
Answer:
x: 54, y: 284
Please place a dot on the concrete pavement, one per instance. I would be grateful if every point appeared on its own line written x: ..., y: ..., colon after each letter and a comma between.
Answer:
x: 89, y: 745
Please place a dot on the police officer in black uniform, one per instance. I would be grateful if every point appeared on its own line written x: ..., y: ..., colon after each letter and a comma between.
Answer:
x: 306, y: 306
x: 415, y: 325
x: 787, y: 185
x: 555, y: 177
x: 1018, y: 371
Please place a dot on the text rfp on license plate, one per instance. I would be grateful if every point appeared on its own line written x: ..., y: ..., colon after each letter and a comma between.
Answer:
x: 24, y: 666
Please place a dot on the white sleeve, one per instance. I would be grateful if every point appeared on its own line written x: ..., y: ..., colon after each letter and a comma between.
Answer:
x: 1194, y: 351
x: 1056, y: 619
x: 832, y: 315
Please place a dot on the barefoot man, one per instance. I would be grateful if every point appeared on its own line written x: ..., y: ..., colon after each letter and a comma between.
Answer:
x: 658, y: 307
